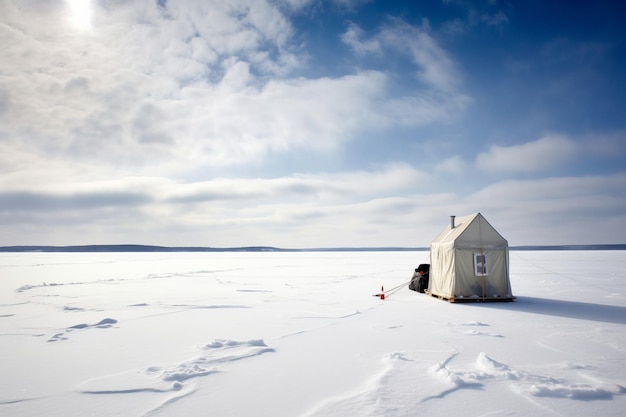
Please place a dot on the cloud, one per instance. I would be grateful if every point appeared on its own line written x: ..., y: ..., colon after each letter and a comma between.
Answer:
x: 354, y: 38
x: 383, y: 207
x: 167, y: 89
x: 453, y: 165
x: 544, y: 154
x: 47, y: 202
x: 80, y: 91
x: 496, y: 19
x: 488, y: 13
x: 297, y: 5
x: 392, y: 178
x: 436, y: 69
x: 320, y: 187
x: 226, y: 208
x: 552, y: 189
x: 557, y: 210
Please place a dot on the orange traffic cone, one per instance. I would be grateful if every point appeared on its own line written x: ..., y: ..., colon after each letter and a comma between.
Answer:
x: 382, y: 293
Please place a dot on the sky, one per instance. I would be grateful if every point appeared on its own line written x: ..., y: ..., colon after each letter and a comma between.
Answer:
x: 309, y: 123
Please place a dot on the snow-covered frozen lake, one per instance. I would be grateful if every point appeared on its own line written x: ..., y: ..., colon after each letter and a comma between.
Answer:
x: 300, y: 334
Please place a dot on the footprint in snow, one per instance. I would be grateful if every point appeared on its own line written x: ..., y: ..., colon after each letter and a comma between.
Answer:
x: 478, y: 333
x: 177, y: 377
x: 486, y: 369
x: 102, y: 324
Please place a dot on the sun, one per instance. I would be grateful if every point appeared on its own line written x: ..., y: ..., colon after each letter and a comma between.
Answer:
x: 80, y: 13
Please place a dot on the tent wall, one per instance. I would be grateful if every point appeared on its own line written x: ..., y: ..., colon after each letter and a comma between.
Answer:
x: 442, y: 270
x: 468, y: 284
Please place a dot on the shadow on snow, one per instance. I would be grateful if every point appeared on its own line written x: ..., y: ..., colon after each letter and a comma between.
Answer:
x: 562, y: 308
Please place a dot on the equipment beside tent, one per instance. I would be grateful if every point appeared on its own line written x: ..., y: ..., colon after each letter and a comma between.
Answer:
x: 419, y: 281
x: 469, y: 262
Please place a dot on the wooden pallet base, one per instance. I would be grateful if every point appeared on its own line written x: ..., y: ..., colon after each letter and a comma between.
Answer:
x: 471, y: 299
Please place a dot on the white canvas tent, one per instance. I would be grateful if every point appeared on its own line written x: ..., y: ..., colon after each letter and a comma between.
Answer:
x: 469, y: 261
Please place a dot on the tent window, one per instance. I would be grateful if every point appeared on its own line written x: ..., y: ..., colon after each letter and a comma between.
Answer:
x: 480, y: 264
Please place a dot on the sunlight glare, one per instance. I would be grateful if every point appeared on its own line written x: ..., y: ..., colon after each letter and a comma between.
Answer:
x: 80, y: 13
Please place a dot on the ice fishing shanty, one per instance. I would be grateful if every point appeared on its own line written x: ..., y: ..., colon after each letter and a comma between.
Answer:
x: 469, y: 262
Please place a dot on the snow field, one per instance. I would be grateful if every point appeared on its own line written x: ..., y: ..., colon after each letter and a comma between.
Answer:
x: 300, y: 334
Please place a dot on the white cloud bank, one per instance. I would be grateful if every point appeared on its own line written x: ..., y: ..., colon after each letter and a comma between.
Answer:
x: 548, y: 152
x: 374, y: 208
x: 148, y: 90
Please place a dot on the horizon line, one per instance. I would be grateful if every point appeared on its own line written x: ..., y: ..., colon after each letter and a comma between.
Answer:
x: 260, y: 248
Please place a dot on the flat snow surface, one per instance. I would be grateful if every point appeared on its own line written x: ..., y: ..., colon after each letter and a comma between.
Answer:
x: 300, y: 334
